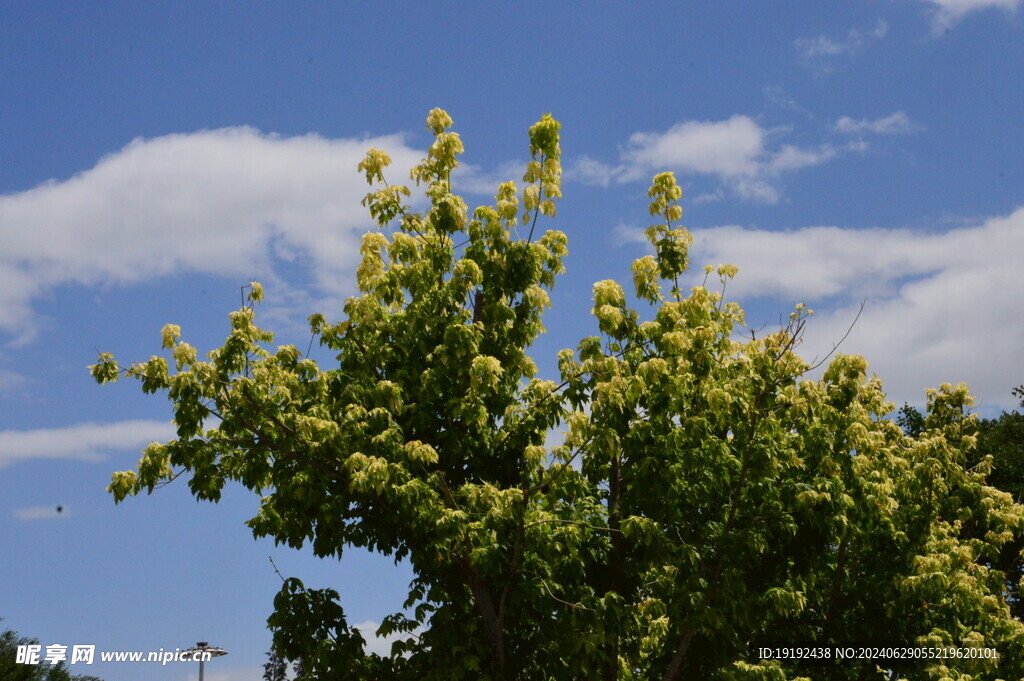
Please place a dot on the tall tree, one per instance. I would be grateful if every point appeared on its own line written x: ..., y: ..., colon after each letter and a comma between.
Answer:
x: 707, y: 499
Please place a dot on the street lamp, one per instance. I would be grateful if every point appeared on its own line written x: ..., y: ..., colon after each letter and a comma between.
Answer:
x: 204, y: 647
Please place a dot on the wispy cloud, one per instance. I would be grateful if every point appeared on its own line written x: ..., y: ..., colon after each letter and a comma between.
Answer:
x: 941, y: 306
x: 84, y: 441
x: 790, y: 158
x: 949, y: 12
x: 42, y: 513
x: 226, y: 202
x: 897, y: 123
x: 818, y: 52
x: 591, y: 171
x: 10, y: 381
x: 737, y: 151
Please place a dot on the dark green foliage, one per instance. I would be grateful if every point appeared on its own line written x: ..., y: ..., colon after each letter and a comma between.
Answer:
x: 10, y: 670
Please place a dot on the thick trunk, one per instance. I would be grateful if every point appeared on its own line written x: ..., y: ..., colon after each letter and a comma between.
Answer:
x: 672, y: 673
x: 492, y: 620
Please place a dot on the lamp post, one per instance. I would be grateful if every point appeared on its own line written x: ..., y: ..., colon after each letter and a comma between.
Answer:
x: 204, y: 647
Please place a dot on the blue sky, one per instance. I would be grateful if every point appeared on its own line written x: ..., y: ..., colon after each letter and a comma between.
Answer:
x: 158, y: 156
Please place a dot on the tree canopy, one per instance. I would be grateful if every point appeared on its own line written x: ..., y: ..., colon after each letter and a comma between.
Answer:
x: 1000, y: 443
x: 708, y: 497
x: 12, y: 670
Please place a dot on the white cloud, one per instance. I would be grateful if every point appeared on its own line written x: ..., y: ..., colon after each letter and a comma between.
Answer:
x: 626, y: 234
x: 897, y: 123
x: 590, y: 171
x: 756, y: 190
x: 941, y: 307
x: 728, y: 148
x: 84, y: 441
x: 949, y: 12
x: 381, y: 645
x: 41, y: 513
x: 222, y: 202
x: 708, y: 197
x: 736, y: 151
x: 790, y: 158
x: 472, y: 179
x: 816, y: 51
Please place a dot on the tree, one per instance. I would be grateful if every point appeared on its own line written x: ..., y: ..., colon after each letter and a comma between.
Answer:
x: 1000, y: 446
x: 9, y: 668
x: 276, y: 667
x: 12, y: 670
x: 707, y: 498
x: 1003, y: 438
